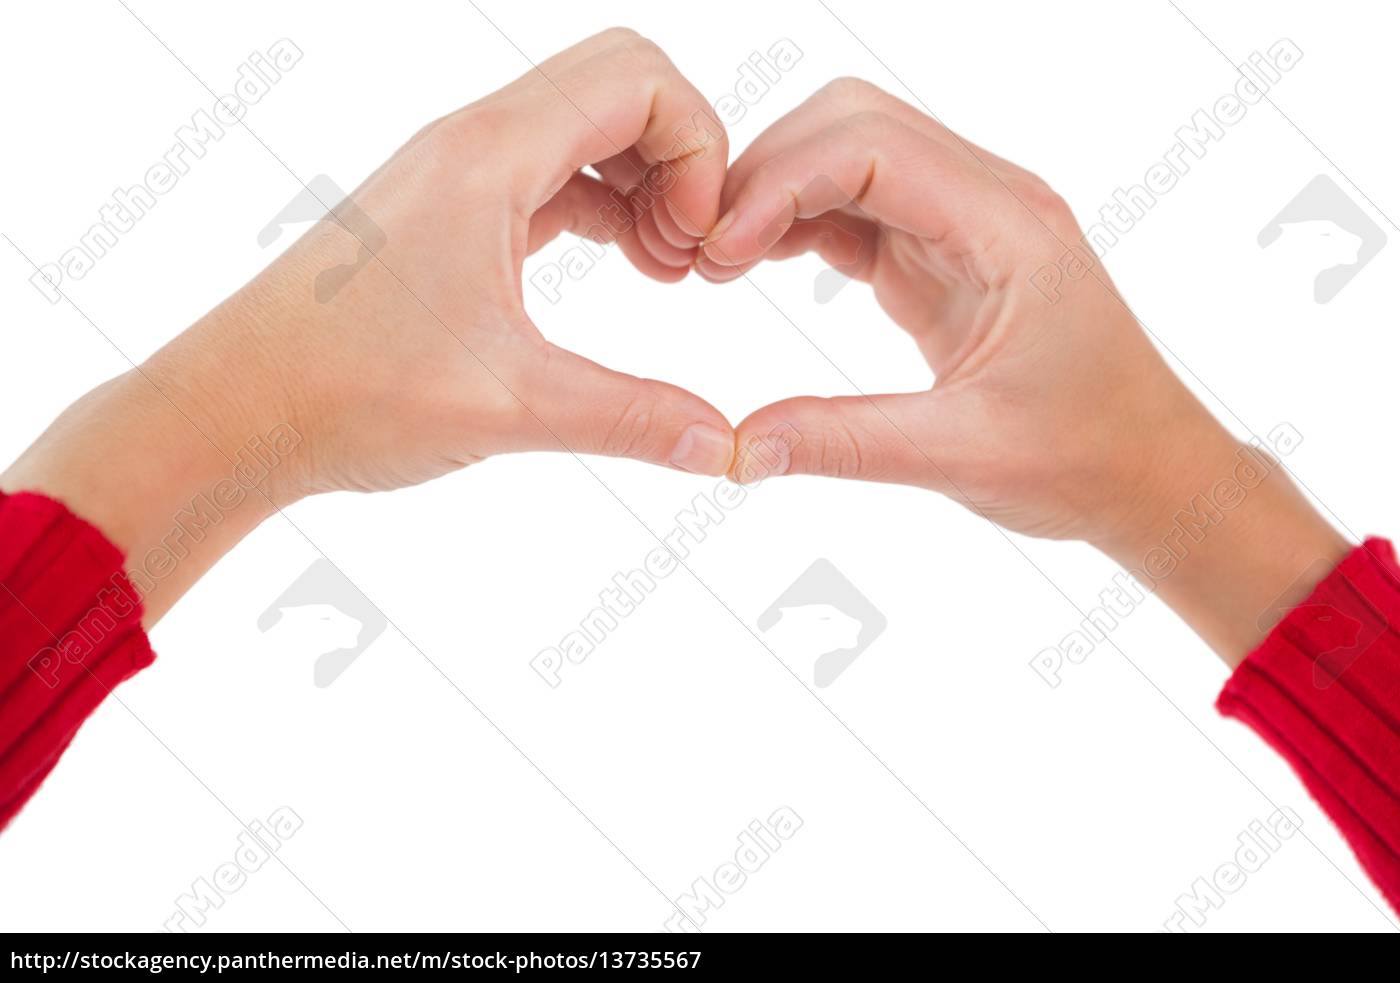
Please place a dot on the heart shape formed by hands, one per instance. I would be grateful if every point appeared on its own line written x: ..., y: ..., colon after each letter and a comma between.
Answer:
x: 970, y: 254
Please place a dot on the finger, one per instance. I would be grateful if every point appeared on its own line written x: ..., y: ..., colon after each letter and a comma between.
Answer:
x: 624, y: 170
x: 592, y: 210
x: 839, y: 99
x: 578, y: 207
x: 610, y: 93
x: 628, y: 171
x: 669, y: 225
x: 718, y: 272
x: 656, y: 243
x: 842, y: 241
x: 894, y: 438
x: 897, y: 176
x: 594, y: 410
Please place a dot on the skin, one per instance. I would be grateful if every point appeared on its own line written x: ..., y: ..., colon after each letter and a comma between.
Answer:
x: 425, y: 361
x: 946, y: 234
x: 1014, y: 428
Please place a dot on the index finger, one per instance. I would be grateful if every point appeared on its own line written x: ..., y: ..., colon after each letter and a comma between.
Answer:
x: 614, y: 91
x: 891, y: 173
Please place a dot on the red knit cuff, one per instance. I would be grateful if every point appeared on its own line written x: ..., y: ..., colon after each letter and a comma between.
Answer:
x: 1324, y: 690
x: 70, y: 630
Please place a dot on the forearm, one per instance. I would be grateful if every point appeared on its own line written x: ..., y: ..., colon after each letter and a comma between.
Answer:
x: 1224, y: 533
x: 173, y: 476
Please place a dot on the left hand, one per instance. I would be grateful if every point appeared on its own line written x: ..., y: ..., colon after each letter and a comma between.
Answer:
x: 1052, y: 416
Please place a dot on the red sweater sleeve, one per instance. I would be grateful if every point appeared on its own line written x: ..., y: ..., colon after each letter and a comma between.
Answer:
x: 1324, y: 690
x: 70, y: 630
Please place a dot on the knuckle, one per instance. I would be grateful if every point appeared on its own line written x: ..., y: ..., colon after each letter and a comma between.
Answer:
x: 839, y: 453
x: 1044, y: 200
x: 769, y: 177
x: 850, y: 92
x: 426, y: 130
x: 442, y: 133
x: 460, y: 132
x: 637, y: 45
x: 870, y: 122
x: 622, y: 45
x: 442, y: 147
x: 616, y: 36
x: 630, y: 432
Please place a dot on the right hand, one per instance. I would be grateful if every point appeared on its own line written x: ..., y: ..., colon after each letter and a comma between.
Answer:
x: 425, y: 360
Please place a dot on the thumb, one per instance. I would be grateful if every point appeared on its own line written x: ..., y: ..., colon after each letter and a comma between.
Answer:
x: 894, y: 438
x: 595, y: 410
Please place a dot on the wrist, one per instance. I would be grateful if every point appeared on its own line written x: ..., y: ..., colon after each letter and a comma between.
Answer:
x: 173, y: 495
x: 1224, y: 533
x: 224, y: 383
x: 1187, y: 462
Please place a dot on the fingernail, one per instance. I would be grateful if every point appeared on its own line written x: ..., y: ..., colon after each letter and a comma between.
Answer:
x: 703, y: 450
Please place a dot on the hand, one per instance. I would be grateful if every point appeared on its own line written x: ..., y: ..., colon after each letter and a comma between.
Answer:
x: 423, y: 360
x: 1053, y: 419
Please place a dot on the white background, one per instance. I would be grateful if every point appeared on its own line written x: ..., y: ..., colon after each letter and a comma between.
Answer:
x: 442, y: 784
